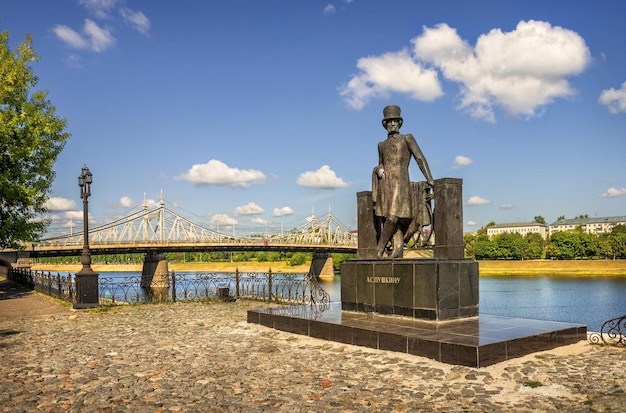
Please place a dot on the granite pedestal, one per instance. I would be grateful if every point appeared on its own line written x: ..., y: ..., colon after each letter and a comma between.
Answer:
x: 428, y: 289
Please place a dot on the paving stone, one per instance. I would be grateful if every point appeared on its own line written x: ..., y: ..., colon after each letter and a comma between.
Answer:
x: 204, y: 357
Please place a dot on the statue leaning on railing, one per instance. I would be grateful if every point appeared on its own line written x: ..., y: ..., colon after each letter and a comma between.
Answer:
x: 401, y: 207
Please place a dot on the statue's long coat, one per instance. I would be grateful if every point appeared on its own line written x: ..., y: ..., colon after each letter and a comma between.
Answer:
x: 392, y: 195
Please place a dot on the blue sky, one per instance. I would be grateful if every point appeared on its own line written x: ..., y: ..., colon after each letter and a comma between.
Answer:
x: 258, y: 113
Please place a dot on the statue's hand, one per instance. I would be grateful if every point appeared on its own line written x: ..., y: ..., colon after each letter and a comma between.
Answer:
x: 381, y: 173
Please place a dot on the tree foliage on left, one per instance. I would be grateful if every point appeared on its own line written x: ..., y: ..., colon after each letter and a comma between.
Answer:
x: 31, y: 138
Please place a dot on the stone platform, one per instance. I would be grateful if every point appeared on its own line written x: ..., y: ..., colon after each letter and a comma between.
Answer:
x: 475, y: 342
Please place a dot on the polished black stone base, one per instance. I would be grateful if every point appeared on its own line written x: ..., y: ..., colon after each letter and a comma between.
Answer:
x: 428, y: 289
x: 475, y: 342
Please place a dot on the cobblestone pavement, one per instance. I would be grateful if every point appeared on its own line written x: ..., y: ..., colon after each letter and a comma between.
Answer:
x: 193, y: 357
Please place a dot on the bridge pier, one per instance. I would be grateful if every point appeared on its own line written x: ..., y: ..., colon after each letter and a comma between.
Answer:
x: 322, y: 265
x: 17, y: 259
x: 155, y: 276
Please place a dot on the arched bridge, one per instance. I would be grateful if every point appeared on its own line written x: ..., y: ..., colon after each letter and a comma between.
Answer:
x: 161, y: 230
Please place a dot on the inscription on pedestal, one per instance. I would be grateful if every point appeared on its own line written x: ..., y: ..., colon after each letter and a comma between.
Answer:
x: 425, y: 289
x: 383, y: 280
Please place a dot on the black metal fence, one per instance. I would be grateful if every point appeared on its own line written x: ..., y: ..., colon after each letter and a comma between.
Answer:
x: 58, y: 286
x: 613, y: 331
x: 276, y: 287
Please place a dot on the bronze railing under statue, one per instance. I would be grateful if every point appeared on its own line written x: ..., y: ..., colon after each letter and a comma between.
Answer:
x: 398, y: 212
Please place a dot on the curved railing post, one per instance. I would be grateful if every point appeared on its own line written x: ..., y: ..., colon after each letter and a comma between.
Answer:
x: 269, y: 286
x: 237, y: 283
x: 613, y: 331
x: 173, y: 287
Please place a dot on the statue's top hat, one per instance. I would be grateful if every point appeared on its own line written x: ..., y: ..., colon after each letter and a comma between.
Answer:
x: 391, y: 112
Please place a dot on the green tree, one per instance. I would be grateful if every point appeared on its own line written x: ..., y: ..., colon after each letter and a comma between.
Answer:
x: 590, y: 244
x: 566, y: 245
x: 340, y: 258
x: 613, y: 244
x: 617, y: 244
x: 539, y: 219
x: 534, y: 246
x: 300, y: 258
x: 485, y: 249
x: 618, y: 229
x: 31, y: 138
x: 469, y: 242
x: 509, y: 245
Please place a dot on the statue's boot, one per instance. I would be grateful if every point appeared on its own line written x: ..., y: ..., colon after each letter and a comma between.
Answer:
x: 389, y: 229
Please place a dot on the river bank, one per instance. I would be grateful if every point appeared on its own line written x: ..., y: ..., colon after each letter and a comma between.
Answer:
x: 554, y: 267
x: 501, y: 267
x: 277, y: 266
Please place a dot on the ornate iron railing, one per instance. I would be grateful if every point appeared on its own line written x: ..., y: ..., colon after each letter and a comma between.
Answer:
x: 114, y: 290
x: 613, y: 331
x: 58, y: 286
x: 281, y: 288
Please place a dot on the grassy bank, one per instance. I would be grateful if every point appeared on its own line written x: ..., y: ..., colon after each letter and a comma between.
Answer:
x: 531, y: 267
x: 554, y: 267
x: 278, y: 266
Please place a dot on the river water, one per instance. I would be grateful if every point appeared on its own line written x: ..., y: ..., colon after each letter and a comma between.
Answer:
x: 588, y: 300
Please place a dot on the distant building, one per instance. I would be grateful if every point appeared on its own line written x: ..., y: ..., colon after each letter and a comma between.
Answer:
x: 522, y: 228
x: 597, y: 225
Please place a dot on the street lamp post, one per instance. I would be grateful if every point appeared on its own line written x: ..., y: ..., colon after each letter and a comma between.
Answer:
x: 86, y: 278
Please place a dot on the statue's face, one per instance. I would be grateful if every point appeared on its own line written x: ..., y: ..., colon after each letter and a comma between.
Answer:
x: 393, y: 125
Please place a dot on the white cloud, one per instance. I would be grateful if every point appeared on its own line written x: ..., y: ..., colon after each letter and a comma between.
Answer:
x: 99, y: 39
x: 507, y: 206
x: 69, y: 36
x: 330, y: 8
x: 461, y: 161
x: 249, y: 209
x: 324, y: 178
x: 217, y: 172
x: 150, y: 202
x: 136, y: 19
x: 470, y: 223
x: 281, y: 212
x: 76, y: 219
x: 126, y: 202
x: 73, y: 61
x: 614, y: 192
x: 476, y: 200
x: 59, y: 204
x: 259, y: 221
x: 223, y: 220
x: 99, y: 8
x: 94, y: 37
x: 520, y: 71
x: 613, y: 99
x: 391, y: 72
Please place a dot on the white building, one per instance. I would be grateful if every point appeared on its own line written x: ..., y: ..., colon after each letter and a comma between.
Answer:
x: 522, y: 228
x: 598, y: 225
